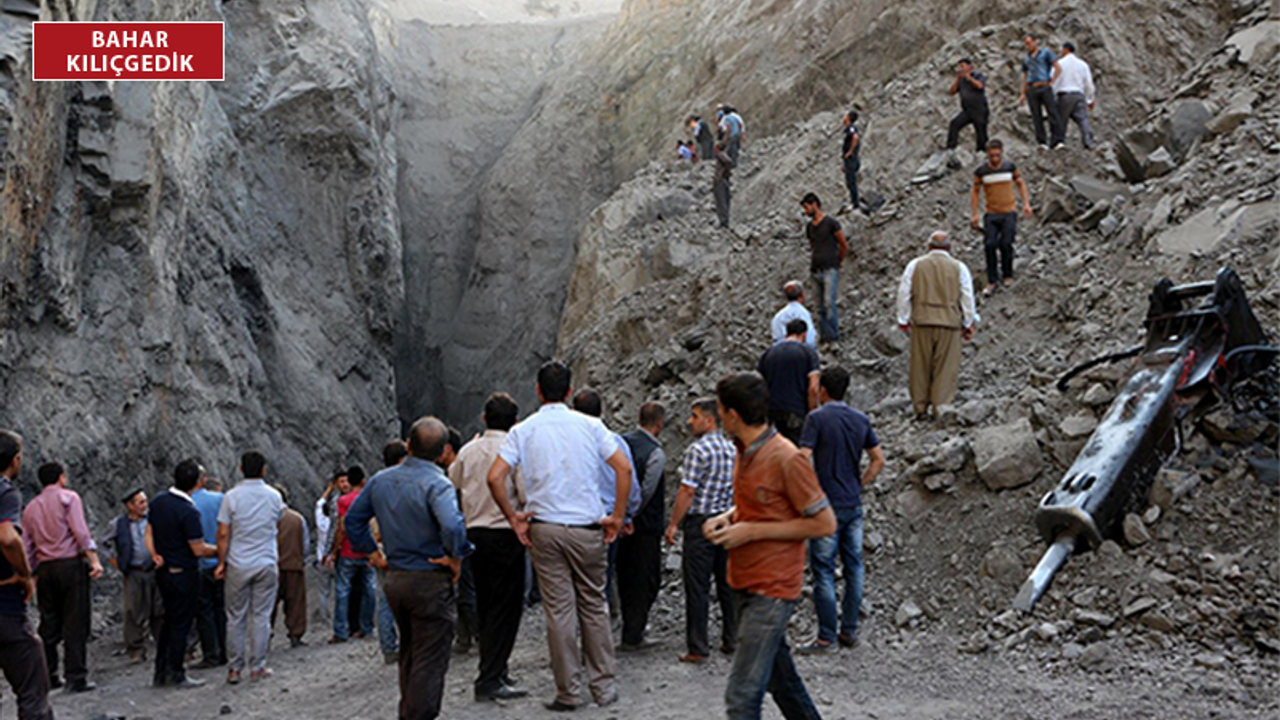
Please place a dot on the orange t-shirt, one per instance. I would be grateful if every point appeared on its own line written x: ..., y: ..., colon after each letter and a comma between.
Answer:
x: 772, y: 482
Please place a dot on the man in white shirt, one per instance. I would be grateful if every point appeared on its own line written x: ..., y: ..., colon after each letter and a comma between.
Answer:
x: 1076, y: 93
x: 557, y: 451
x: 794, y: 292
x: 936, y: 308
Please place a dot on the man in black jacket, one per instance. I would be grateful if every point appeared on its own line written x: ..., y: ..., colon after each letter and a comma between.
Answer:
x: 640, y: 553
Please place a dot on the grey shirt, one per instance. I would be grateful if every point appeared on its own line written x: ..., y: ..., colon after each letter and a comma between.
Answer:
x: 253, y: 510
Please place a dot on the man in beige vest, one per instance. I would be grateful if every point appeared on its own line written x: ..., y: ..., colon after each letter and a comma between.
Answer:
x: 936, y: 308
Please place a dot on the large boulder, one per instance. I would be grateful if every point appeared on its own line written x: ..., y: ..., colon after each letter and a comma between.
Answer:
x: 1008, y: 456
x: 1256, y: 45
x: 1208, y: 229
x: 1132, y: 151
x: 1184, y: 128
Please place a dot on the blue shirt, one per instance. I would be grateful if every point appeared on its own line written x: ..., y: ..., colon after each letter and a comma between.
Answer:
x: 1039, y: 67
x: 13, y: 599
x: 838, y: 434
x: 609, y: 482
x: 208, y: 503
x: 418, y: 516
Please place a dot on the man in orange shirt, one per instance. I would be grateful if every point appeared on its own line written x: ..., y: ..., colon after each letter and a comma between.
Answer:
x: 778, y: 504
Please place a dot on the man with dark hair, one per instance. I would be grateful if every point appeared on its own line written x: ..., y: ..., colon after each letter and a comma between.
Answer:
x: 640, y: 553
x: 175, y: 539
x: 706, y: 489
x: 326, y: 511
x: 394, y: 453
x: 996, y: 179
x: 793, y: 291
x: 936, y: 308
x: 703, y: 136
x: 142, y: 611
x: 851, y: 157
x: 65, y: 559
x: 778, y: 504
x: 424, y: 539
x: 248, y: 560
x: 292, y: 540
x: 211, y: 615
x: 1040, y: 71
x: 1074, y: 91
x: 835, y: 436
x: 558, y: 451
x: 721, y: 185
x: 733, y: 132
x: 828, y: 250
x: 353, y: 571
x: 791, y: 370
x: 971, y: 86
x: 21, y: 652
x: 498, y: 562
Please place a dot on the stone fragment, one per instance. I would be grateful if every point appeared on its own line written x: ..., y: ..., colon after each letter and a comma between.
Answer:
x: 1157, y: 621
x: 1095, y: 657
x: 932, y: 169
x: 1215, y: 225
x: 1151, y: 515
x: 1098, y: 394
x: 1072, y: 651
x: 1159, y: 163
x: 1057, y: 202
x: 1007, y: 456
x: 938, y: 482
x: 1234, y: 115
x: 1212, y: 661
x: 1095, y: 191
x: 1132, y: 150
x: 1093, y: 217
x: 1093, y: 618
x: 1183, y: 129
x: 1258, y: 44
x: 907, y: 612
x: 1002, y: 565
x: 1078, y: 426
x: 1171, y: 486
x: 889, y: 341
x: 1138, y: 607
x: 1047, y: 632
x: 1135, y: 533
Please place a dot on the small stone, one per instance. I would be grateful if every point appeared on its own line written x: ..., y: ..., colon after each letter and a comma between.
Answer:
x: 1151, y: 515
x: 1172, y: 485
x: 939, y: 481
x: 1008, y: 456
x: 1095, y: 656
x: 1077, y: 426
x: 224, y: 710
x: 907, y: 612
x: 1097, y: 619
x: 1157, y: 621
x: 1047, y: 632
x: 1160, y: 162
x: 1139, y: 606
x: 1072, y: 651
x: 1212, y: 661
x: 1003, y: 566
x: 1098, y: 394
x: 1135, y: 533
x: 1110, y: 548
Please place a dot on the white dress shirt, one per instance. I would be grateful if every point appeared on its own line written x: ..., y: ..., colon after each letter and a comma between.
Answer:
x: 967, y: 306
x: 1075, y: 77
x: 792, y: 311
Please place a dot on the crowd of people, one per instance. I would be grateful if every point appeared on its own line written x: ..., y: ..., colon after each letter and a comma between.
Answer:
x: 442, y: 548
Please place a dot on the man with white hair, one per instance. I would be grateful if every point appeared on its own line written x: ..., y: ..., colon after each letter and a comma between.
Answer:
x: 794, y: 309
x: 936, y: 308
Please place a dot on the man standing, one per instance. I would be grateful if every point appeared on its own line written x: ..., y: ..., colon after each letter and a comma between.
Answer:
x: 936, y: 308
x: 851, y: 158
x: 393, y: 453
x: 1040, y: 71
x: 640, y: 553
x: 720, y: 187
x: 21, y: 652
x: 499, y: 558
x: 791, y: 370
x: 424, y: 538
x: 778, y: 504
x: 793, y: 310
x: 176, y: 541
x: 248, y: 559
x: 971, y: 86
x: 292, y: 540
x: 352, y: 568
x: 828, y: 249
x: 467, y: 631
x: 326, y: 512
x: 558, y: 451
x: 732, y: 131
x: 1075, y: 91
x: 143, y: 611
x: 65, y: 559
x: 702, y: 136
x: 211, y: 620
x: 996, y: 179
x: 835, y: 436
x: 706, y: 489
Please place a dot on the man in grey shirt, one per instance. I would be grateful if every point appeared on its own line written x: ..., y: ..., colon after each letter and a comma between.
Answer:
x: 248, y: 524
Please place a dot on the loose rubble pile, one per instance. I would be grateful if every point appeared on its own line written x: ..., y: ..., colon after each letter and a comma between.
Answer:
x: 663, y: 304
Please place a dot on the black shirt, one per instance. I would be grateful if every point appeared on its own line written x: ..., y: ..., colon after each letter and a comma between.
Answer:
x: 970, y: 96
x: 786, y: 368
x: 850, y: 133
x: 823, y: 243
x: 13, y: 599
x: 175, y: 522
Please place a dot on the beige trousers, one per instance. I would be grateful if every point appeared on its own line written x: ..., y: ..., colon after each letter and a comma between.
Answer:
x: 571, y: 564
x: 935, y: 366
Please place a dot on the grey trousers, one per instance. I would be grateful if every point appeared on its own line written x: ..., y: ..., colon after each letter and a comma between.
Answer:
x: 723, y: 197
x: 251, y: 594
x: 1072, y: 106
x: 571, y: 564
x: 143, y: 609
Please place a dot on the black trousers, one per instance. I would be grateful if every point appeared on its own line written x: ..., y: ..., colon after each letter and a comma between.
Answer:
x: 211, y: 623
x: 639, y: 578
x: 498, y: 565
x: 468, y: 621
x: 977, y: 117
x: 63, y: 598
x: 723, y: 196
x: 180, y: 591
x: 423, y: 604
x: 788, y: 424
x: 703, y: 560
x: 23, y: 665
x: 851, y: 167
x: 1042, y: 101
x: 999, y: 230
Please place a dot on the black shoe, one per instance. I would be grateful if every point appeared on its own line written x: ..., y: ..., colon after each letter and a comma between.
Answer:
x: 557, y: 706
x: 208, y: 663
x: 187, y: 683
x: 297, y: 642
x: 504, y: 692
x: 55, y: 682
x: 81, y: 687
x: 510, y: 681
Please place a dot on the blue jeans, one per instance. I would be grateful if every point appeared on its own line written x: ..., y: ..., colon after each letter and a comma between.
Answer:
x: 387, y: 637
x: 822, y: 558
x: 763, y: 661
x: 828, y: 282
x: 349, y: 572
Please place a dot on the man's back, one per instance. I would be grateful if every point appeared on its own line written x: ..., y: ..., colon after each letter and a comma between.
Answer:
x: 838, y: 434
x: 793, y: 310
x: 12, y: 597
x: 50, y: 523
x: 935, y: 292
x: 292, y: 540
x: 174, y: 523
x: 559, y: 451
x: 417, y: 510
x: 253, y: 510
x: 208, y: 503
x: 469, y: 473
x: 786, y: 368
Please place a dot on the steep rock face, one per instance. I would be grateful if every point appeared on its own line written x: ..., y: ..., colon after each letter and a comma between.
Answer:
x: 197, y: 269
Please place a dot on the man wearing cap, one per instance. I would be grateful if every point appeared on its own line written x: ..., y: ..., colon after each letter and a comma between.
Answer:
x: 1075, y: 91
x: 936, y: 308
x: 143, y: 610
x: 793, y: 310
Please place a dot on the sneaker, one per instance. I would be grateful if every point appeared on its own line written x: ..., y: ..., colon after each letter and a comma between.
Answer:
x: 187, y: 683
x: 990, y: 288
x: 82, y: 686
x: 262, y: 674
x: 817, y: 647
x: 847, y: 640
x: 233, y: 677
x: 1042, y: 146
x: 693, y: 658
x: 335, y: 640
x: 1060, y: 146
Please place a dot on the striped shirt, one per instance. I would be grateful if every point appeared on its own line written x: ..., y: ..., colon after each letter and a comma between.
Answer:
x: 708, y: 469
x: 997, y: 184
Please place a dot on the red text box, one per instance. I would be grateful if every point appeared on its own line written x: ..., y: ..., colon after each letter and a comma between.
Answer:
x: 127, y: 51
